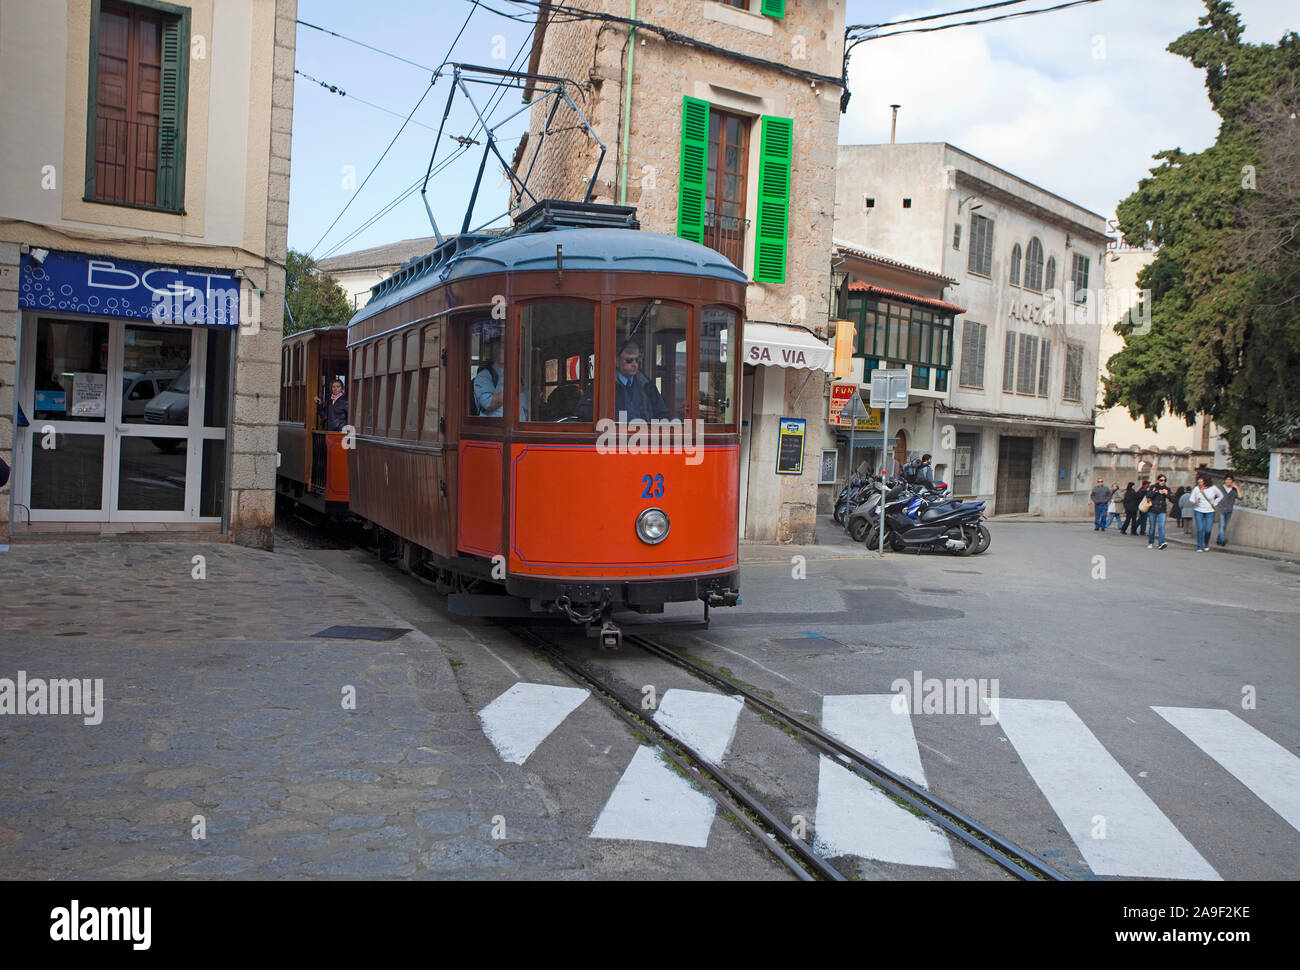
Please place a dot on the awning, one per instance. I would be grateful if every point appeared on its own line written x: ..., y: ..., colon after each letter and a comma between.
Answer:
x: 766, y: 344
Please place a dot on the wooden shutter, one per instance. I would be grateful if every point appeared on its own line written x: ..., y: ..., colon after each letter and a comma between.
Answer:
x: 691, y: 189
x: 774, y: 8
x: 775, y: 153
x: 1009, y: 363
x: 171, y: 114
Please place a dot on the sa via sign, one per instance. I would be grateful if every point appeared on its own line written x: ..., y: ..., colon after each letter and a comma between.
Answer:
x: 788, y: 356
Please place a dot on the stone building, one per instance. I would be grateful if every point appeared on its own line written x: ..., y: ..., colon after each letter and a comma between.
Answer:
x: 725, y: 133
x: 1016, y: 424
x: 143, y: 225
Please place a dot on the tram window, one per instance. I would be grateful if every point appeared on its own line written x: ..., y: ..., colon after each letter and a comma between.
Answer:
x: 651, y: 342
x: 718, y: 352
x: 557, y: 343
x: 381, y: 405
x: 412, y: 404
x: 487, y: 378
x: 432, y: 382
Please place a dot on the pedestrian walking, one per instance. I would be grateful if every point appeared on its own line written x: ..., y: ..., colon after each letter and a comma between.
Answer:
x: 1100, y: 496
x: 1231, y: 492
x: 1114, y: 512
x: 1143, y: 507
x: 1205, y: 499
x: 1185, y: 506
x: 1158, y: 496
x: 1176, y: 505
x: 1130, y: 502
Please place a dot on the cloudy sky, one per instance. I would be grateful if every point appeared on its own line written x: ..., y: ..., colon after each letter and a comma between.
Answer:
x: 1075, y: 101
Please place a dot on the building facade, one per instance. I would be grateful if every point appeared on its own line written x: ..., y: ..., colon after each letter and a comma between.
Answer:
x: 1016, y: 424
x: 1124, y: 447
x: 900, y: 321
x: 358, y: 271
x: 724, y: 133
x: 143, y: 227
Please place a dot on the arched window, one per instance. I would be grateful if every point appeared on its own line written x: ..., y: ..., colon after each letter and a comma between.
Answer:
x: 1034, y: 265
x: 1050, y: 282
x: 1015, y: 265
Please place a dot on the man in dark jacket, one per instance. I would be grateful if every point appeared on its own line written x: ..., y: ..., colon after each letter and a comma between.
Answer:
x: 333, y: 414
x: 1100, y: 496
x: 1159, y: 495
x: 635, y: 395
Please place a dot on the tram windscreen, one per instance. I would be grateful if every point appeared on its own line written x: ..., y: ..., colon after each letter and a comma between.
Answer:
x: 718, y: 353
x: 650, y: 339
x: 557, y: 342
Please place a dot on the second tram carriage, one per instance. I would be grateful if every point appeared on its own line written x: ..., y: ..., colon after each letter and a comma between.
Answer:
x: 488, y: 445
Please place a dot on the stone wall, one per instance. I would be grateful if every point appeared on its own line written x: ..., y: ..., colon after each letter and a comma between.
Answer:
x: 254, y: 432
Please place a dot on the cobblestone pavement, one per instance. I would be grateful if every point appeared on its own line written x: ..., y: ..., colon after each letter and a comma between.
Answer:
x: 222, y: 716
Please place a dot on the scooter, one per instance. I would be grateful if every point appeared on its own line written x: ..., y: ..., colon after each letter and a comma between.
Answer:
x: 850, y: 496
x: 912, y: 524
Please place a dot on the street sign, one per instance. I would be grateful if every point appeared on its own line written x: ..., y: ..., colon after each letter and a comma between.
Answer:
x: 890, y: 388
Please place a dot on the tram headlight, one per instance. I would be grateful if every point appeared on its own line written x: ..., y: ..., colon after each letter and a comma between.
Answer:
x: 652, y: 526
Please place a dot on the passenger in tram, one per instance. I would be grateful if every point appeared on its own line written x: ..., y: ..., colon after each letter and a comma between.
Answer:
x: 635, y: 395
x: 333, y: 414
x: 490, y: 383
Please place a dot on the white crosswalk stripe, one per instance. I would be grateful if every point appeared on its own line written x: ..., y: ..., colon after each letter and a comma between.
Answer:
x: 651, y: 802
x: 853, y: 816
x: 1269, y: 770
x: 525, y: 715
x: 1116, y: 826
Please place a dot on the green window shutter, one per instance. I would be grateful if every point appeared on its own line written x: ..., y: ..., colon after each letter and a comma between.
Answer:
x: 691, y: 190
x: 774, y: 8
x: 773, y: 229
x: 173, y: 84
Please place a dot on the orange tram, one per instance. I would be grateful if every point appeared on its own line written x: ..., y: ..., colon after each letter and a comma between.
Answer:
x: 542, y: 420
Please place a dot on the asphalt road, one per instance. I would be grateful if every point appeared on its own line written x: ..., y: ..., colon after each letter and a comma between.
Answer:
x: 1076, y: 638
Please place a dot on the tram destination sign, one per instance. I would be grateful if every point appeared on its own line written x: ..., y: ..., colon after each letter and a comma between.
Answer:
x: 111, y: 287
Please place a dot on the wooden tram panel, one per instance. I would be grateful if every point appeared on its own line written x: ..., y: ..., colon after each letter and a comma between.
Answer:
x: 466, y: 487
x: 309, y: 360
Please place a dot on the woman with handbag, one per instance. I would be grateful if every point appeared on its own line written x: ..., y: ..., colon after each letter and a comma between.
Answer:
x: 1205, y: 499
x: 1144, y: 506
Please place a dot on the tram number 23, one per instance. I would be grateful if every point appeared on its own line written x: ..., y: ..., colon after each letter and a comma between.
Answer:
x: 654, y: 486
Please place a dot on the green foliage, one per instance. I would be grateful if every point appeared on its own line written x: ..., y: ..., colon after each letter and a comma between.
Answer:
x: 1225, y: 323
x: 314, y: 299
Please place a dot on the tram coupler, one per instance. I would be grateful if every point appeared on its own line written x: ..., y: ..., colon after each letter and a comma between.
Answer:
x: 611, y: 637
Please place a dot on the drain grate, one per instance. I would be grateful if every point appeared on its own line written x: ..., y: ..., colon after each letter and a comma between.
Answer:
x: 363, y: 632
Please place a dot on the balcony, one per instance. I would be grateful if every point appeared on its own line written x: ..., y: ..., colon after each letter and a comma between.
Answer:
x: 726, y: 235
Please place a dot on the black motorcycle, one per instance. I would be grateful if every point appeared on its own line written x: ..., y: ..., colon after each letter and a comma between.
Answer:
x: 851, y: 495
x: 911, y: 523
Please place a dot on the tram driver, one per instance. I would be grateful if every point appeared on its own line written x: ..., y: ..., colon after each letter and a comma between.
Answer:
x: 635, y: 395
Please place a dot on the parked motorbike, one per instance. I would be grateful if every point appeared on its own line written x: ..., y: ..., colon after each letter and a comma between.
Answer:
x: 913, y: 523
x: 850, y: 497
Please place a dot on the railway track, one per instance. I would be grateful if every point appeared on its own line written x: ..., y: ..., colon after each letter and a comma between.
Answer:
x: 793, y: 852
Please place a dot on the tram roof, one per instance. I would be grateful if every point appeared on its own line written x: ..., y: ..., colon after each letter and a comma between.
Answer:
x: 585, y: 248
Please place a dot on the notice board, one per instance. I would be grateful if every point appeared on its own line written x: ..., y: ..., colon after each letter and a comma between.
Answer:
x: 789, y: 452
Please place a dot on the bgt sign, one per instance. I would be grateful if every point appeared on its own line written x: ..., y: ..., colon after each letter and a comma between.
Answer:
x: 78, y: 283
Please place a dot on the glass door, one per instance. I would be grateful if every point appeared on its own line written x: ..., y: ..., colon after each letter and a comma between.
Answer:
x: 128, y: 421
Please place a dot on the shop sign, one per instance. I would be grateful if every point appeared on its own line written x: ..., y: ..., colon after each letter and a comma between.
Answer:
x: 841, y: 394
x: 112, y: 287
x: 789, y: 452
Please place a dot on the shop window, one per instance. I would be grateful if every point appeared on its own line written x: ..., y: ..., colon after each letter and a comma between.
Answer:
x: 135, y: 131
x: 1065, y: 467
x: 557, y: 360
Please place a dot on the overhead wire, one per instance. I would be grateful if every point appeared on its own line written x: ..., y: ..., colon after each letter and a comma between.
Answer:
x: 434, y: 75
